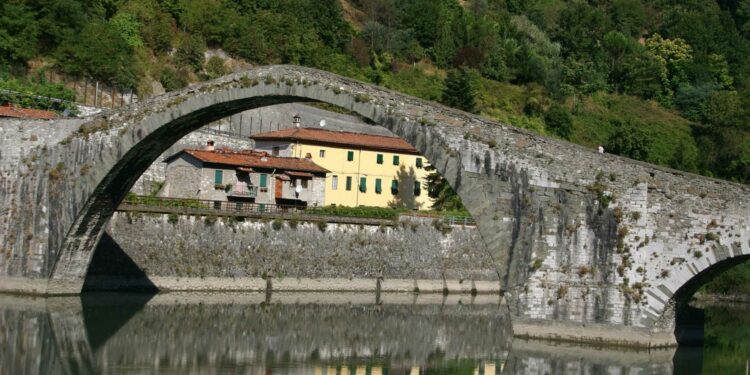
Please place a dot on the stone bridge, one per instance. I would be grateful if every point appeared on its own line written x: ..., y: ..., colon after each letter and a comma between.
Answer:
x: 585, y: 246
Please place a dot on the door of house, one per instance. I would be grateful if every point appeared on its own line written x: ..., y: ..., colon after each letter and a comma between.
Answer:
x: 279, y: 186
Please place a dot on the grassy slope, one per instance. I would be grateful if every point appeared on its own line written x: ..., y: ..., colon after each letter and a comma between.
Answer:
x: 595, y: 118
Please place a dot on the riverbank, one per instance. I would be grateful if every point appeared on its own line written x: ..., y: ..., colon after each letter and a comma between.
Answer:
x: 718, y: 298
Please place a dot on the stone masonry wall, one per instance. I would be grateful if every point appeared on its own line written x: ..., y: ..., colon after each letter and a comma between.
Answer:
x: 204, y: 247
x: 27, y: 222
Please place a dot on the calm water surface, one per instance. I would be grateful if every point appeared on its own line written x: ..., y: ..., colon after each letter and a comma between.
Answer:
x: 344, y: 334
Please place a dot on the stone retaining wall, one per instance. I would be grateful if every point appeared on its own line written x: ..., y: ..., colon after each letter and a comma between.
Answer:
x: 212, y: 253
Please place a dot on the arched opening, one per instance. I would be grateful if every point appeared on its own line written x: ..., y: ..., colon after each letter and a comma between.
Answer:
x: 134, y: 162
x: 702, y: 326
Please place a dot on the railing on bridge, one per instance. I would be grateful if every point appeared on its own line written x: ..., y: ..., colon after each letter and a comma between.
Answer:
x: 459, y: 220
x: 447, y: 219
x: 241, y: 208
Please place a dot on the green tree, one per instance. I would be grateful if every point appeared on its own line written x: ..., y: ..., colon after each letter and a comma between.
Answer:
x: 691, y: 100
x: 210, y: 19
x: 19, y: 32
x: 63, y: 20
x: 629, y: 16
x: 190, y: 52
x: 719, y: 70
x: 460, y: 90
x: 536, y: 58
x: 173, y: 80
x: 559, y: 121
x: 443, y: 195
x: 99, y: 52
x: 617, y: 46
x: 157, y: 32
x: 724, y: 108
x: 215, y: 67
x: 642, y: 75
x: 128, y: 26
x: 249, y: 42
x: 673, y: 55
x: 630, y: 141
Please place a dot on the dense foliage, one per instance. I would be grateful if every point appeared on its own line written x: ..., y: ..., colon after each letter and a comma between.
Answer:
x: 587, y: 71
x: 36, y: 93
x: 734, y: 281
x: 726, y: 348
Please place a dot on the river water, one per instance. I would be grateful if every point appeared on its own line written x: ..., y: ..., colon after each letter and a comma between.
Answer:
x: 322, y: 334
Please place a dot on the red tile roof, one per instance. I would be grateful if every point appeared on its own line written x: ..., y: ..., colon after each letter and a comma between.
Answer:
x: 329, y: 137
x: 17, y: 112
x: 251, y: 159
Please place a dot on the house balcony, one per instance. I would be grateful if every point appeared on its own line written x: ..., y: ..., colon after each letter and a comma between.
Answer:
x: 243, y: 191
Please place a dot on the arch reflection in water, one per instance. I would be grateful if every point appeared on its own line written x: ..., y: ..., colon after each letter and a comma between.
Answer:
x: 192, y: 333
x: 345, y: 334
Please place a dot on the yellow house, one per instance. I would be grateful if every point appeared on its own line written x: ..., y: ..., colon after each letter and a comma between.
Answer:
x: 365, y: 170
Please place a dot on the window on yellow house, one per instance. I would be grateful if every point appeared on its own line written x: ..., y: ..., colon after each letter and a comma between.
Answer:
x: 363, y: 184
x: 334, y: 182
x: 395, y: 160
x: 380, y: 158
x: 348, y: 183
x: 394, y: 187
x: 419, y: 162
x: 417, y: 188
x: 378, y: 186
x: 350, y: 155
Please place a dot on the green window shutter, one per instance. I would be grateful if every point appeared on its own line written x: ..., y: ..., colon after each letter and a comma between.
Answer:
x: 263, y: 180
x: 350, y: 155
x: 394, y: 187
x: 395, y: 160
x: 417, y: 188
x: 363, y: 184
x: 378, y: 186
x: 348, y: 183
x: 218, y: 177
x: 419, y: 162
x: 380, y: 158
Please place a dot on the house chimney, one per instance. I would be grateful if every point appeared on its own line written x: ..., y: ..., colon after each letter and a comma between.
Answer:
x: 210, y: 145
x: 296, y: 120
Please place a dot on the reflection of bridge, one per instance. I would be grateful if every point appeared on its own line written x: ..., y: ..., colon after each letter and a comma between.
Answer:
x: 602, y: 246
x: 287, y: 334
x: 256, y: 333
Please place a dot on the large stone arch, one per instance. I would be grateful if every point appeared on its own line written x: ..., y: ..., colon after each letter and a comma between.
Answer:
x: 596, y: 243
x: 148, y: 138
